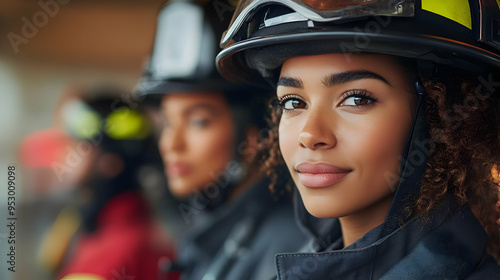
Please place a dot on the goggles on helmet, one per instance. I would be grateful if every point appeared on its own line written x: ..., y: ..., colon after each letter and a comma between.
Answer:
x: 319, y: 11
x: 82, y: 122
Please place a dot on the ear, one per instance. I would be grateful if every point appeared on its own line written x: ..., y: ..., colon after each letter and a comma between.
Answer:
x: 110, y: 165
x: 251, y: 147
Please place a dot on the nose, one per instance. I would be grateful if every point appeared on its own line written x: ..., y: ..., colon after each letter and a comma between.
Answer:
x: 171, y: 139
x: 317, y: 132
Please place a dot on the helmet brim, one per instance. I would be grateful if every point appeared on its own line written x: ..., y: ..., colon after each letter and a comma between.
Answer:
x: 262, y: 56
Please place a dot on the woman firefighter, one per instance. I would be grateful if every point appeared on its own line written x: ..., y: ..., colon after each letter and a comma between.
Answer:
x: 388, y: 122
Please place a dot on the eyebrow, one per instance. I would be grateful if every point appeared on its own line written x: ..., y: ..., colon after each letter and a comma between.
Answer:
x: 204, y: 107
x: 290, y: 82
x: 334, y: 79
x: 349, y: 76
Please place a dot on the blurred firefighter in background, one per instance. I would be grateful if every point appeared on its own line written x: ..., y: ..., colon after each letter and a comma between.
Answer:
x: 111, y: 144
x: 211, y: 149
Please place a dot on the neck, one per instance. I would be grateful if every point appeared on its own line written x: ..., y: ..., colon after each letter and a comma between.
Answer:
x: 358, y: 224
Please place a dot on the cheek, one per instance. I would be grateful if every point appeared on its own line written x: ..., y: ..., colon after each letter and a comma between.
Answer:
x: 288, y: 139
x: 377, y: 144
x: 162, y: 142
x: 211, y: 149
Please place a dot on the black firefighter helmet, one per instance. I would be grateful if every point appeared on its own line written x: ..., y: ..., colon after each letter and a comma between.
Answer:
x: 185, y: 47
x: 264, y: 33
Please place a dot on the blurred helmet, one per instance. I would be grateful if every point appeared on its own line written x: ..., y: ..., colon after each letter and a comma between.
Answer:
x: 186, y: 43
x: 102, y: 119
x: 263, y: 34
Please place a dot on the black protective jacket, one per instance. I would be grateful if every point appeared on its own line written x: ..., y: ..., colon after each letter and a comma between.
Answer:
x: 240, y: 240
x: 452, y: 245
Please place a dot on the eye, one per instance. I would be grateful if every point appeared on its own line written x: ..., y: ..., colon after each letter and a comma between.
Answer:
x: 199, y: 122
x: 356, y: 101
x: 357, y: 98
x: 291, y: 102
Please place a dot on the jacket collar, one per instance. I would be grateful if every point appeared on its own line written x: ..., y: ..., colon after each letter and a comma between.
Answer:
x: 210, y: 228
x: 417, y: 250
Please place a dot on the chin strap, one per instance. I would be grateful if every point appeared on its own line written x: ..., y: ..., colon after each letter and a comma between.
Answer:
x: 227, y: 181
x: 413, y: 165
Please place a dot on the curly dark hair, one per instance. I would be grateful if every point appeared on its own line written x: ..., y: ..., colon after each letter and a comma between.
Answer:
x: 463, y: 116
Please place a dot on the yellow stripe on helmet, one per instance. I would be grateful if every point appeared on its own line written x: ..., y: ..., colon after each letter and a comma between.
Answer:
x: 456, y: 10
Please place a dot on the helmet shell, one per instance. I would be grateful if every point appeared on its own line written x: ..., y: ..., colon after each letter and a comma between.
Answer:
x: 186, y: 43
x: 434, y: 32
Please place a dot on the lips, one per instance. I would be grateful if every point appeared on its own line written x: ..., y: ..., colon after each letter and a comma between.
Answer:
x: 320, y: 175
x: 177, y: 169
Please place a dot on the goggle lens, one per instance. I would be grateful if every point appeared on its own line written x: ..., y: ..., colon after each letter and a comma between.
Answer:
x: 320, y: 11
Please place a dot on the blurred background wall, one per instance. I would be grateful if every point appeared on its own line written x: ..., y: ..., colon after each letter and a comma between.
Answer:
x: 81, y: 41
x: 46, y: 48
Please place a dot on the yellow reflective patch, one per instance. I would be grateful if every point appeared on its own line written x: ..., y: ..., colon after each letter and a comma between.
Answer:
x: 456, y: 10
x: 80, y: 120
x: 58, y: 238
x: 498, y: 2
x: 82, y: 276
x: 125, y: 123
x: 87, y: 125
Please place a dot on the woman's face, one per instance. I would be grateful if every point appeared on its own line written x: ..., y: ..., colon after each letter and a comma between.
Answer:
x: 344, y: 126
x: 197, y: 141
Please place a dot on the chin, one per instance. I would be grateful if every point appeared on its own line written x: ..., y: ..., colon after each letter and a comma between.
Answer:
x: 318, y: 207
x: 321, y: 207
x: 180, y: 189
x: 321, y: 213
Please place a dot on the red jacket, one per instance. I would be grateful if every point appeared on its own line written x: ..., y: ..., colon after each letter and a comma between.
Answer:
x: 125, y: 245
